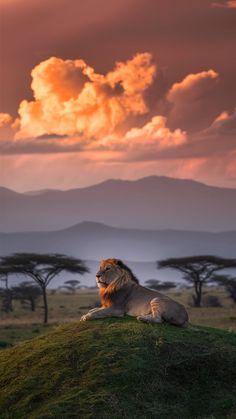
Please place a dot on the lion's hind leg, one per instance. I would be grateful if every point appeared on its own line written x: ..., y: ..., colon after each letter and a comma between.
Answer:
x: 155, y: 317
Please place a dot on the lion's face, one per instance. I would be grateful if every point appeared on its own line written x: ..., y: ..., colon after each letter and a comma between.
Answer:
x: 109, y: 271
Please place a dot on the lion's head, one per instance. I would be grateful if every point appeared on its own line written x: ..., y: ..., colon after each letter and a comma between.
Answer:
x: 113, y: 273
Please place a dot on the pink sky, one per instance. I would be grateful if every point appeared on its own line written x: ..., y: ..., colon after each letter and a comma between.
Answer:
x: 98, y: 89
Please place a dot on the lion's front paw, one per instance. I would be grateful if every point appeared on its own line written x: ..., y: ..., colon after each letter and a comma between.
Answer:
x: 85, y: 317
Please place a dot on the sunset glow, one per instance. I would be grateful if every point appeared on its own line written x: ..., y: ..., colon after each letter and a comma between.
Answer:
x: 160, y: 104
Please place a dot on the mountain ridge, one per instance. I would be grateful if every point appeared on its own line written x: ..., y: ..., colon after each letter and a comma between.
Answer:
x: 150, y: 203
x: 117, y: 180
x: 95, y: 224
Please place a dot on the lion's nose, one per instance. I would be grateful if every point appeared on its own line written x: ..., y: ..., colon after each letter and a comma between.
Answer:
x: 98, y: 275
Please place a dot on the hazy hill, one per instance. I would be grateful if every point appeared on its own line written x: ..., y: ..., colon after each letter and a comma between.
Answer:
x: 149, y: 203
x: 120, y: 368
x: 140, y: 248
x: 90, y: 240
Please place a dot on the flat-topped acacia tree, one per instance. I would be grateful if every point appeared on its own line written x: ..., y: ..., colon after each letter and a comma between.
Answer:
x: 71, y: 285
x: 42, y: 268
x: 198, y: 270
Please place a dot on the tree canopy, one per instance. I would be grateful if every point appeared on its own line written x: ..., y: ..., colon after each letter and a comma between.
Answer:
x: 198, y: 270
x: 42, y: 268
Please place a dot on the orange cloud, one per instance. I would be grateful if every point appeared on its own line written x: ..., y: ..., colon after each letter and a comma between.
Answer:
x: 191, y: 101
x: 6, y: 130
x: 143, y: 143
x: 82, y: 118
x: 137, y: 143
x: 192, y: 85
x: 71, y: 98
x: 156, y: 133
x: 5, y: 119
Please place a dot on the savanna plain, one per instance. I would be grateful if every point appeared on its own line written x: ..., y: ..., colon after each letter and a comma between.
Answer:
x: 64, y: 307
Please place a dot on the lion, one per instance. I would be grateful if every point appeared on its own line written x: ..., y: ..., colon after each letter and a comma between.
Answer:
x: 121, y: 294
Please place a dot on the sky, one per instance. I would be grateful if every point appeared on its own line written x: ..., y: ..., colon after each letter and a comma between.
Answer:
x: 117, y: 89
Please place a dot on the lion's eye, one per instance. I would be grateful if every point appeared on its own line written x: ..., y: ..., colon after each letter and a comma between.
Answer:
x: 107, y: 269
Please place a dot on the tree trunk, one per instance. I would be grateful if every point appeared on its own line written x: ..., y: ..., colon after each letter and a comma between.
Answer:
x: 32, y: 304
x: 7, y: 301
x: 198, y: 291
x: 45, y: 302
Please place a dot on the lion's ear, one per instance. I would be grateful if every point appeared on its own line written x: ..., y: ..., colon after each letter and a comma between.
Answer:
x: 119, y: 263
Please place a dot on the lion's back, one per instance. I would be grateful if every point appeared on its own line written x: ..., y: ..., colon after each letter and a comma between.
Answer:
x: 140, y: 304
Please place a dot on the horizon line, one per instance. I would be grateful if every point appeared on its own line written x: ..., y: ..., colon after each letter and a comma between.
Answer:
x: 45, y: 190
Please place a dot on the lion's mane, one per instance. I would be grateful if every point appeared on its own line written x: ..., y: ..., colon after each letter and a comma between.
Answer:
x: 119, y: 287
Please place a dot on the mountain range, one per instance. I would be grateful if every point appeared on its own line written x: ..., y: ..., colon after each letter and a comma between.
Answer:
x: 151, y: 203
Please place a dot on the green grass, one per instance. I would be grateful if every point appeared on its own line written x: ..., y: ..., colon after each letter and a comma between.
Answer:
x: 120, y: 368
x: 13, y: 334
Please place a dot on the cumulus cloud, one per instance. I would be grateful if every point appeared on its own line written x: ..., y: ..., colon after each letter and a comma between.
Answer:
x: 230, y: 4
x: 77, y: 109
x: 143, y: 143
x: 191, y: 104
x: 94, y: 120
x: 70, y: 98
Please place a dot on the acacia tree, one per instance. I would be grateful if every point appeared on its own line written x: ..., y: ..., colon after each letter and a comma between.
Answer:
x: 71, y: 285
x: 229, y: 282
x: 155, y: 284
x: 42, y: 268
x: 198, y: 270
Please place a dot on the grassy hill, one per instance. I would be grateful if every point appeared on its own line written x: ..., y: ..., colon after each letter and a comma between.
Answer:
x: 120, y: 368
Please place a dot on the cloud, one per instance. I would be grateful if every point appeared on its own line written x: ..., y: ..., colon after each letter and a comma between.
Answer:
x: 5, y: 119
x: 191, y: 100
x: 230, y: 4
x: 6, y: 128
x: 156, y: 141
x: 224, y: 124
x: 137, y: 143
x: 95, y: 120
x: 77, y: 109
x: 217, y: 140
x: 70, y: 98
x: 143, y: 143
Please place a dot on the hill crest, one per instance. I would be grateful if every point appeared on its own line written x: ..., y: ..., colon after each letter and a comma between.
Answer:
x: 120, y: 368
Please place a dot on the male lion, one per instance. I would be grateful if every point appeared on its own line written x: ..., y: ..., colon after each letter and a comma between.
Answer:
x: 121, y: 294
